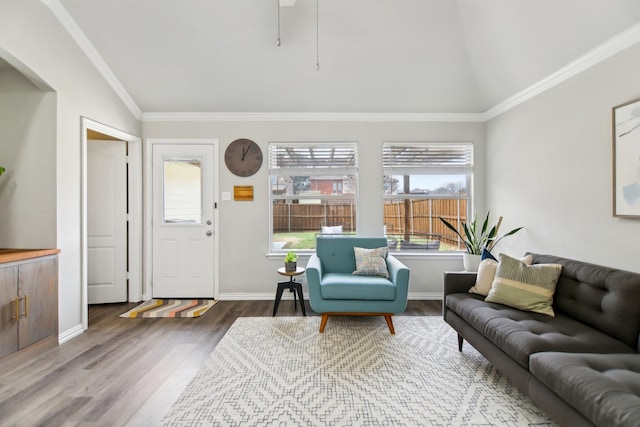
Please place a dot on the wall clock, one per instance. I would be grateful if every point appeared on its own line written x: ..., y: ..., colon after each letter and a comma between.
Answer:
x: 243, y: 157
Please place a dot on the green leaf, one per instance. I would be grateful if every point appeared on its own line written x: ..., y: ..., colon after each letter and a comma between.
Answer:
x: 455, y: 230
x: 475, y: 242
x: 485, y: 224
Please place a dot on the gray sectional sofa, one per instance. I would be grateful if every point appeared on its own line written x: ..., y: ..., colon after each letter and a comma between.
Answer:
x: 582, y: 366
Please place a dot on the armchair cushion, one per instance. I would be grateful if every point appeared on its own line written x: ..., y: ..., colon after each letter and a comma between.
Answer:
x: 341, y: 286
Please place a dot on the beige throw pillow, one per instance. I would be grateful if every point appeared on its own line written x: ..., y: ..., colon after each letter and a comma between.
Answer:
x: 486, y: 273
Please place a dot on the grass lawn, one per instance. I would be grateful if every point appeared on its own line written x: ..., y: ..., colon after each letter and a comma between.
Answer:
x: 296, y: 240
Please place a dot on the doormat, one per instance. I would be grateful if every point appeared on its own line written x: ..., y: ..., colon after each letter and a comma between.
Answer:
x: 171, y: 308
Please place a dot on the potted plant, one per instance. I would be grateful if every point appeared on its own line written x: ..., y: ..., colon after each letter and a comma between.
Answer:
x: 475, y: 239
x: 290, y: 262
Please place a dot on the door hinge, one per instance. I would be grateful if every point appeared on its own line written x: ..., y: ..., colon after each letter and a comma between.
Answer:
x: 128, y: 277
x: 127, y: 158
x: 215, y: 205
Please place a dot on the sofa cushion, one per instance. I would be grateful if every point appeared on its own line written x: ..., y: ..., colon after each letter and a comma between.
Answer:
x: 371, y: 262
x: 604, y: 388
x: 602, y: 297
x: 521, y: 333
x: 527, y: 287
x: 348, y: 286
x: 487, y: 255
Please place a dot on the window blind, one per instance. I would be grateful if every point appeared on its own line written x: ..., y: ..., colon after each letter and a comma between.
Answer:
x: 456, y: 156
x: 309, y: 157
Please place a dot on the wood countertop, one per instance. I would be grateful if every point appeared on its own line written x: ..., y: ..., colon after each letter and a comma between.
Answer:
x: 10, y: 255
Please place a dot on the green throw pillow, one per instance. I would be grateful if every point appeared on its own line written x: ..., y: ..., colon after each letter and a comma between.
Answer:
x: 371, y: 262
x: 527, y: 287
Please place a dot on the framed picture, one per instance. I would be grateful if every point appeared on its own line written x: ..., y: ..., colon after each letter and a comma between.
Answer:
x: 626, y: 160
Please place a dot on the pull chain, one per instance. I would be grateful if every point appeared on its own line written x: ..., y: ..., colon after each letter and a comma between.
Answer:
x: 317, y: 38
x: 278, y: 4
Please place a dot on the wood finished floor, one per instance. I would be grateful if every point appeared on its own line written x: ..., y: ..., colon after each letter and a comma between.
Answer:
x: 126, y: 372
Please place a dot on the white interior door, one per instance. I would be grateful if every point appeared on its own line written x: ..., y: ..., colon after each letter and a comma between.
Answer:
x: 182, y: 221
x: 106, y: 221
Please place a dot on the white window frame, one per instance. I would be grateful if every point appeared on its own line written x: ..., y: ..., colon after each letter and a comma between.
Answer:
x: 430, y: 158
x: 309, y: 167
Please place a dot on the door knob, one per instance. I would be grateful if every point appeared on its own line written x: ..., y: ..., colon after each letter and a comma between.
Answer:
x: 208, y: 222
x: 209, y: 233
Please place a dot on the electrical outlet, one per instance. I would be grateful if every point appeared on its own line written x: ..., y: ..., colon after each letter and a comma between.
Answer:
x: 226, y: 195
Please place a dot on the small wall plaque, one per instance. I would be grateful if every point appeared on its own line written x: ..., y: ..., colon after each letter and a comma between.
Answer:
x: 243, y: 193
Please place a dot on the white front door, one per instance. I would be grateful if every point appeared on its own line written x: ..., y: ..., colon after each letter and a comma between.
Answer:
x: 106, y: 221
x: 183, y: 214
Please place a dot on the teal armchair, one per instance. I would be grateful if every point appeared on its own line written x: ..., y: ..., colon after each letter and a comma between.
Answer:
x: 335, y: 290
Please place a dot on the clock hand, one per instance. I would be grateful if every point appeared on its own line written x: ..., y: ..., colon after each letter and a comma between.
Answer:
x: 245, y: 151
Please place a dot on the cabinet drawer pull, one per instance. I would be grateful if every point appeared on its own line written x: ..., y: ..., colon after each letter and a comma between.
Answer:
x: 16, y: 308
x: 26, y: 306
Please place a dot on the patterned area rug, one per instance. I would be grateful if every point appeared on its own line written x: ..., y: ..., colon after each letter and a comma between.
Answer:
x: 281, y: 371
x: 171, y: 308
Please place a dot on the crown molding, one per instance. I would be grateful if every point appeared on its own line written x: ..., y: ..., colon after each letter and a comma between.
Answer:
x: 90, y: 51
x: 614, y: 45
x: 312, y: 117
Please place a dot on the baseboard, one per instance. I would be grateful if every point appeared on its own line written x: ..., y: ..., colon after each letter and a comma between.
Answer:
x: 425, y: 296
x: 262, y: 296
x: 70, y: 334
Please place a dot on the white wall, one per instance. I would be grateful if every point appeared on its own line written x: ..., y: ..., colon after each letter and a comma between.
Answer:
x: 34, y: 42
x: 244, y: 226
x: 549, y: 168
x: 28, y: 152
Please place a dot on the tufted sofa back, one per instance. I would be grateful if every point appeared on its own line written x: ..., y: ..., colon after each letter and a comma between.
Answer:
x: 336, y: 253
x: 602, y: 297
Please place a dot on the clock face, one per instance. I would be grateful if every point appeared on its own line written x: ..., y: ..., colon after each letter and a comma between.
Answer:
x: 243, y: 157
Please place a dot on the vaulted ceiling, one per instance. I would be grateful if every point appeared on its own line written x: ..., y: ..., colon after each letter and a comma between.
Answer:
x: 375, y: 56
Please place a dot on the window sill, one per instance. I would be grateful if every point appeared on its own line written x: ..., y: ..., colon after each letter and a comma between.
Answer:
x: 280, y: 255
x: 304, y: 256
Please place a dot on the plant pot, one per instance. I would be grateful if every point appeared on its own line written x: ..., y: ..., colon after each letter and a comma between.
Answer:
x: 290, y: 267
x: 471, y: 262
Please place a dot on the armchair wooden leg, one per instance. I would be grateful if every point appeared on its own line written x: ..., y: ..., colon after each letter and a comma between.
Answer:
x: 460, y: 342
x: 323, y: 322
x: 387, y: 317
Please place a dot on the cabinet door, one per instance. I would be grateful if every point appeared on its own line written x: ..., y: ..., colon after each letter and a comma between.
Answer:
x: 37, y: 281
x: 8, y: 326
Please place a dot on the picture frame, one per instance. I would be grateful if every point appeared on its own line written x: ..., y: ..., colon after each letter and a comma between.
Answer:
x: 626, y: 159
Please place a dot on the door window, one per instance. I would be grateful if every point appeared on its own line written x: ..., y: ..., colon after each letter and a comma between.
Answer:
x: 182, y: 191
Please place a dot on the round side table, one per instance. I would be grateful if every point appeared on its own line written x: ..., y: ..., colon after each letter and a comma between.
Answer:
x: 293, y: 286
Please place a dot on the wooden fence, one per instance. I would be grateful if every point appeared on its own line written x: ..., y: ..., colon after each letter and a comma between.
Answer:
x: 423, y: 217
x: 300, y: 217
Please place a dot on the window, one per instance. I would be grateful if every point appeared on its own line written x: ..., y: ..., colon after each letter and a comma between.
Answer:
x: 182, y: 189
x: 314, y: 188
x: 425, y: 181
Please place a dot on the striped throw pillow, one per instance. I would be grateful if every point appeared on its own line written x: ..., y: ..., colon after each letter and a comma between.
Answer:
x: 526, y: 287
